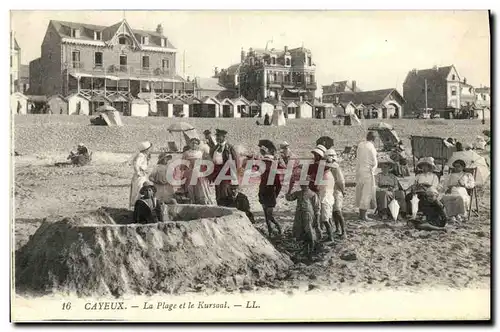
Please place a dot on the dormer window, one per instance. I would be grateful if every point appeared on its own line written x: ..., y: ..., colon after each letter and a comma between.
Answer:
x: 97, y: 35
x: 75, y: 33
x: 309, y: 60
x: 452, y: 77
x: 288, y: 61
x: 163, y: 42
x: 273, y: 60
x: 144, y: 40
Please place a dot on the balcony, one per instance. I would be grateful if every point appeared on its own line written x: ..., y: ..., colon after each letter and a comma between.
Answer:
x: 118, y: 70
x: 313, y: 86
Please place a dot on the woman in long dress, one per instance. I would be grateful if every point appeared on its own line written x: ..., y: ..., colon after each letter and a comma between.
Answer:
x: 165, y: 192
x: 388, y: 189
x: 456, y: 199
x: 140, y: 163
x: 199, y: 192
x: 425, y: 180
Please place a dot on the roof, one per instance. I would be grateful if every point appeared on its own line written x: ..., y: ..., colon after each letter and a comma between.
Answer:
x: 483, y: 90
x: 344, y: 86
x: 432, y: 73
x: 366, y: 97
x: 209, y: 83
x: 24, y: 71
x: 87, y: 32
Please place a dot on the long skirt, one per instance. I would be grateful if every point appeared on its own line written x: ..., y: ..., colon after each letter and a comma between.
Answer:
x: 303, y: 226
x: 200, y: 193
x: 135, y: 187
x: 457, y: 202
x: 384, y: 197
x: 365, y: 193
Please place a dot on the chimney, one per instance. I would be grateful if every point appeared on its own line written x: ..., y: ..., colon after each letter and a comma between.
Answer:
x: 216, y: 71
x: 353, y: 86
x: 435, y: 68
x: 159, y: 29
x: 286, y: 49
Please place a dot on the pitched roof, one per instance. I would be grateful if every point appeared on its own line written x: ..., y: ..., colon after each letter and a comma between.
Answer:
x: 432, y: 73
x: 63, y: 28
x: 232, y: 70
x: 366, y: 97
x: 208, y: 83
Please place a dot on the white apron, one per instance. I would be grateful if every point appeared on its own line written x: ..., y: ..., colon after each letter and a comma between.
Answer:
x: 140, y: 164
x: 365, y: 176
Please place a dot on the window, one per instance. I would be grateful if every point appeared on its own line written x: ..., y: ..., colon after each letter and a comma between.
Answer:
x: 11, y: 60
x: 453, y: 77
x: 122, y: 41
x: 98, y: 59
x: 291, y: 110
x: 75, y: 58
x: 309, y: 61
x: 165, y: 64
x: 144, y: 40
x: 75, y: 33
x: 275, y: 77
x: 123, y: 62
x: 273, y: 60
x: 97, y: 35
x: 453, y: 91
x: 311, y: 79
x: 145, y: 62
x: 163, y: 42
x: 288, y: 62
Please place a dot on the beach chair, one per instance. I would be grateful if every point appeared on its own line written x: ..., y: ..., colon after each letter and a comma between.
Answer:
x: 473, y: 195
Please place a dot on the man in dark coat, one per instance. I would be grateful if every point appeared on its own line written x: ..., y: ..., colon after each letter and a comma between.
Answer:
x: 210, y: 139
x: 220, y: 155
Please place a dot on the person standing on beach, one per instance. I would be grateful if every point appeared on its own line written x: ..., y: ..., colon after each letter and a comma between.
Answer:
x: 220, y: 155
x: 140, y: 164
x: 365, y: 176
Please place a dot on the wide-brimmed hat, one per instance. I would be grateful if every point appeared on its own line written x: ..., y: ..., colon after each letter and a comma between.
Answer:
x: 147, y: 185
x: 207, y: 131
x: 385, y: 160
x: 320, y: 150
x: 192, y: 139
x: 164, y: 156
x: 426, y: 161
x: 331, y: 153
x: 81, y: 145
x: 284, y: 144
x: 267, y: 145
x: 145, y: 145
x: 459, y: 161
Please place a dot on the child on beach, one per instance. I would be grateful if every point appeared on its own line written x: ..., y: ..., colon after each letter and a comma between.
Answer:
x: 307, y: 214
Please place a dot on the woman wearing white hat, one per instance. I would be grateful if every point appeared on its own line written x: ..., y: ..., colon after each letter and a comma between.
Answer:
x: 424, y: 180
x: 140, y: 165
x: 318, y: 154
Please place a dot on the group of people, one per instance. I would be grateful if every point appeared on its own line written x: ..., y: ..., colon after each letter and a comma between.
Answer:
x: 377, y: 190
x: 319, y: 204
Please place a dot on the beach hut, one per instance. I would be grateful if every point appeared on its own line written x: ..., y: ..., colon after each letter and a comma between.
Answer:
x: 139, y: 108
x: 305, y: 110
x: 58, y: 104
x: 254, y: 108
x: 211, y: 108
x: 78, y: 104
x: 18, y: 103
x: 291, y: 110
x: 241, y: 107
x: 195, y: 107
x: 228, y: 108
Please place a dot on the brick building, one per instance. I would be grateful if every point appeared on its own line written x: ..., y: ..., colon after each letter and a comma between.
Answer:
x: 443, y: 89
x: 265, y: 74
x: 109, y: 64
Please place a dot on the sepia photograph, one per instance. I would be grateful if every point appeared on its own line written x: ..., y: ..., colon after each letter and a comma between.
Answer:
x: 294, y: 166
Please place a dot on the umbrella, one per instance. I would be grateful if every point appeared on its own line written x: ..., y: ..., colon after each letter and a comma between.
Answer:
x: 180, y: 127
x: 105, y: 108
x: 473, y: 160
x: 394, y: 208
x: 414, y: 206
x: 380, y: 126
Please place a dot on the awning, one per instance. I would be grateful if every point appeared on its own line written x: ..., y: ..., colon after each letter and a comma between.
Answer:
x: 118, y: 98
x: 296, y: 90
x: 176, y: 102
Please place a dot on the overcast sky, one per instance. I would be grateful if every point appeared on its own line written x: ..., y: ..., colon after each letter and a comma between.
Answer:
x: 377, y: 49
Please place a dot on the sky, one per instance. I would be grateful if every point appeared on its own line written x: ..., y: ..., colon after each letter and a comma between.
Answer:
x: 375, y: 48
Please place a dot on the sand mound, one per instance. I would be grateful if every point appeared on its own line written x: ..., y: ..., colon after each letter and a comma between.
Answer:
x: 92, y: 255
